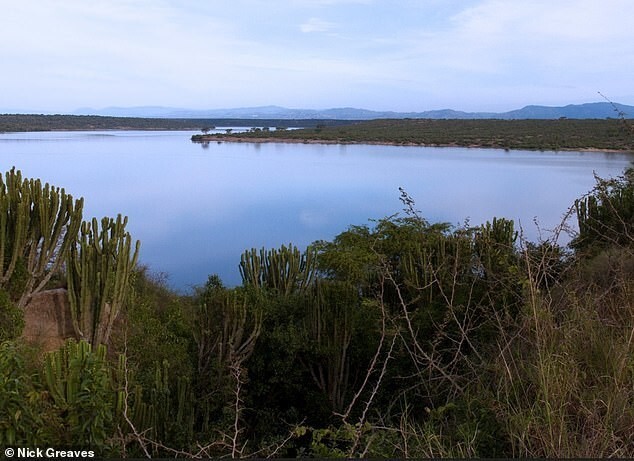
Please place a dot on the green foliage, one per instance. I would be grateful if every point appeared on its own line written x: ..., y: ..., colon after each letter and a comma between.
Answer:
x: 332, y: 442
x: 467, y: 427
x: 606, y: 215
x: 350, y: 256
x: 281, y: 391
x: 21, y: 421
x: 330, y: 320
x: 155, y: 328
x: 17, y: 283
x: 80, y: 385
x: 227, y: 325
x: 153, y: 336
x: 495, y: 246
x: 11, y: 318
x: 153, y: 416
x: 173, y: 409
x: 311, y: 356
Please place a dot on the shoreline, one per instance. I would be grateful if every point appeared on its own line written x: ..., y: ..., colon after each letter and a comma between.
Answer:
x: 271, y: 140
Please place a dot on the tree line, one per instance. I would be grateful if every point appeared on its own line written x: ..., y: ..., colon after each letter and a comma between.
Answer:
x: 36, y: 122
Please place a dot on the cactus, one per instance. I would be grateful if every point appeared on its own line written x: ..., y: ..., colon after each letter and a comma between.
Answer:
x: 130, y: 408
x: 169, y: 412
x: 38, y: 224
x: 98, y: 273
x: 228, y: 324
x: 227, y: 330
x: 63, y: 369
x: 329, y: 324
x: 495, y: 244
x: 606, y: 216
x: 15, y: 207
x: 80, y: 384
x: 286, y: 270
x: 437, y: 260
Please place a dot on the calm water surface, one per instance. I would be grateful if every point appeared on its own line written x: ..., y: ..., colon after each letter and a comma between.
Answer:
x: 197, y: 209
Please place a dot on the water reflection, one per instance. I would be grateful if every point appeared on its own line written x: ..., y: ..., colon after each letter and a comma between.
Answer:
x: 196, y: 209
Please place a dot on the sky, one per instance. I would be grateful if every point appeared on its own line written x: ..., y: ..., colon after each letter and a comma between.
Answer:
x: 401, y: 55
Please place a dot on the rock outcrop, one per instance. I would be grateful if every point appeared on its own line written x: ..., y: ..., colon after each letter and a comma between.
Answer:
x: 47, y: 320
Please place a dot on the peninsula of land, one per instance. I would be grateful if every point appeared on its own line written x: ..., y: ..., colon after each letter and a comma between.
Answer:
x: 565, y: 134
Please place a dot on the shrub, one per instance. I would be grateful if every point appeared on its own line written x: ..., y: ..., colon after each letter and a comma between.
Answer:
x: 11, y: 318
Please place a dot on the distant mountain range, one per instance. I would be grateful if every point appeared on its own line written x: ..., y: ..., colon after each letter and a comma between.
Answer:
x: 596, y: 110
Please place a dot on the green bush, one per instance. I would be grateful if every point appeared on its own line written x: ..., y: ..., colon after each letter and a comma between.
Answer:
x: 606, y: 215
x: 11, y: 318
x: 21, y: 405
x: 79, y: 382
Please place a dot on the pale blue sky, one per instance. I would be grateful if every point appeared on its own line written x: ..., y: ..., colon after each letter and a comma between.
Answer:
x: 403, y: 55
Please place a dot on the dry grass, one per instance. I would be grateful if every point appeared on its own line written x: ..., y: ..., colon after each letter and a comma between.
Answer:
x: 565, y: 374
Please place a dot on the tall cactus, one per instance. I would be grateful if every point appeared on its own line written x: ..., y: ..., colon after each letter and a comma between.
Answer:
x: 286, y: 270
x: 98, y: 273
x: 227, y: 327
x: 15, y: 206
x: 331, y: 314
x: 37, y: 226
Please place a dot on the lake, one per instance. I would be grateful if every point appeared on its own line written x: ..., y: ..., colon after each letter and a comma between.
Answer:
x: 196, y: 209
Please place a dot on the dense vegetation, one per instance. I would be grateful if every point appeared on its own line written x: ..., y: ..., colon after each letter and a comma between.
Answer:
x: 508, y: 134
x: 401, y: 339
x: 16, y: 123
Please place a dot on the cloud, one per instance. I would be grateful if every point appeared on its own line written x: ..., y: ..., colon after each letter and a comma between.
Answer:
x: 537, y: 52
x: 406, y: 54
x: 317, y: 25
